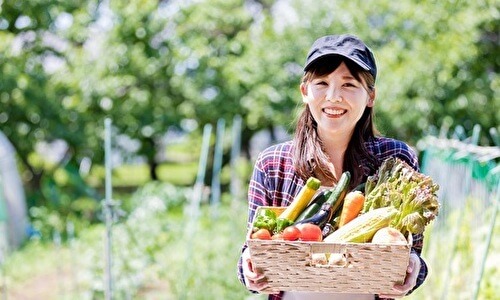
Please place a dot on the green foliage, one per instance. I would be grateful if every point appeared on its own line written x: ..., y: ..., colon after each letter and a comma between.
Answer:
x: 135, y: 241
x: 461, y: 236
x: 34, y: 258
x: 153, y: 65
x: 184, y: 251
x: 208, y: 253
x: 160, y: 242
x: 436, y: 59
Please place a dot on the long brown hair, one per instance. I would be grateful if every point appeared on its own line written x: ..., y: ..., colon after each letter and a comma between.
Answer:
x: 310, y: 158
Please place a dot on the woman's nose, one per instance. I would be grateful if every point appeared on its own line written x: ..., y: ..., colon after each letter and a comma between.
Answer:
x: 333, y: 94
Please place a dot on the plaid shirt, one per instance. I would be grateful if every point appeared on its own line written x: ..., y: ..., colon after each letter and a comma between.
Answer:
x: 275, y: 183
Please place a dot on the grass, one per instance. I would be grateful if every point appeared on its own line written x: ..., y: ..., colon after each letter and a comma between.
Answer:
x: 177, y: 173
x: 33, y: 258
x: 156, y: 251
x: 180, y: 174
x: 454, y: 249
x: 177, y: 256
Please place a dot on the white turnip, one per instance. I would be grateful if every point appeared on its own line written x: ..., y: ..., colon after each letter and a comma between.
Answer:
x: 389, y: 235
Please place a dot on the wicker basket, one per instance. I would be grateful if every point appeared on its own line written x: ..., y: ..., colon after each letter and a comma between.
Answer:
x: 358, y: 268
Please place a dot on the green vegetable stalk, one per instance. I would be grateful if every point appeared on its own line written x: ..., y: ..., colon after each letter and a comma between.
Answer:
x: 266, y: 219
x: 414, y: 195
x: 281, y: 224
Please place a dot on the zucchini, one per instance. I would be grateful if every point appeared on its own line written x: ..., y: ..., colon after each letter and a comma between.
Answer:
x: 337, y: 197
x: 332, y: 204
x: 360, y: 187
x: 315, y: 205
x: 301, y: 200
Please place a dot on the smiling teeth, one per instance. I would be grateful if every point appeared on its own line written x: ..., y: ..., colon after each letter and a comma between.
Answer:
x: 334, y: 111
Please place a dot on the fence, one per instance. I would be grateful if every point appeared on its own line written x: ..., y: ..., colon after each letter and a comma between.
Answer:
x: 460, y: 247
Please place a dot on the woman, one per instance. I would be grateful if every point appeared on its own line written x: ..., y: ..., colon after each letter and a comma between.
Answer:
x: 335, y: 133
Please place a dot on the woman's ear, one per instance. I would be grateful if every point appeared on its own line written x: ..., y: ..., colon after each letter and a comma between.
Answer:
x: 371, y: 100
x: 303, y: 92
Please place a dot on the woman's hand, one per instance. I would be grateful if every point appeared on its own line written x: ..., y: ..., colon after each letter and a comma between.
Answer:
x: 410, y: 281
x: 254, y: 280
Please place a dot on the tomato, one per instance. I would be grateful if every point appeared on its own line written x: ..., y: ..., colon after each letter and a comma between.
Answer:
x: 261, y: 234
x: 291, y: 233
x: 310, y: 232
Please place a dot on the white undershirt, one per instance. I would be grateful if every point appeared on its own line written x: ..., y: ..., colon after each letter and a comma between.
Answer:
x: 325, y: 296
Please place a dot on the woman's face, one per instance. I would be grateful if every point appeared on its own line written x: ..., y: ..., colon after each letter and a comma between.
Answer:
x: 336, y: 101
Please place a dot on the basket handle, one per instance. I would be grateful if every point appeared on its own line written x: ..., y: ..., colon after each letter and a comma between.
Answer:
x: 329, y: 255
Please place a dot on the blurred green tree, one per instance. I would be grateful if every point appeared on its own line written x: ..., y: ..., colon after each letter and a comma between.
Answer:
x: 151, y: 65
x: 34, y: 105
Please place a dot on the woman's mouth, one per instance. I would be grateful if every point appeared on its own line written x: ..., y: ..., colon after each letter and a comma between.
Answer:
x: 334, y: 112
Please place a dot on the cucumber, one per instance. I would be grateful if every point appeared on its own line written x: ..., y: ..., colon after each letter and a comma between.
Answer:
x: 315, y: 205
x: 332, y: 203
x: 360, y: 187
x: 336, y: 199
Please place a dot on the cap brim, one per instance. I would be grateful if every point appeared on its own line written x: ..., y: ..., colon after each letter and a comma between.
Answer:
x: 358, y: 62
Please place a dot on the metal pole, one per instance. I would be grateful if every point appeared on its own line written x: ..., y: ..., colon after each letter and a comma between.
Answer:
x: 495, y: 136
x: 202, y: 167
x: 217, y: 166
x: 235, y: 154
x: 194, y: 210
x: 107, y: 210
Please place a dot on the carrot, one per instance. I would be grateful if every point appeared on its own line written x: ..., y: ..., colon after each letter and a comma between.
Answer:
x: 353, y: 203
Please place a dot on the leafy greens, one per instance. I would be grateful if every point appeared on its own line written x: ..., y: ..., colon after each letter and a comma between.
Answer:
x: 397, y: 184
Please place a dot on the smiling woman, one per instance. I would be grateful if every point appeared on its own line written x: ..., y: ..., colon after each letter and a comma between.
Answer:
x: 337, y: 101
x: 335, y: 133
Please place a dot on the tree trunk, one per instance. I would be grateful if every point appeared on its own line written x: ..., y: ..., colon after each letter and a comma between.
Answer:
x: 153, y: 170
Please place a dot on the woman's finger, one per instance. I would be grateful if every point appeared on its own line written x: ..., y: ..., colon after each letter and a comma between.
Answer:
x: 400, y: 290
x: 254, y: 279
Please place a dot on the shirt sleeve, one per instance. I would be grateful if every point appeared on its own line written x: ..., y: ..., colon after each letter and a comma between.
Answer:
x: 386, y: 147
x: 418, y: 240
x: 409, y: 155
x: 257, y: 196
x: 394, y: 148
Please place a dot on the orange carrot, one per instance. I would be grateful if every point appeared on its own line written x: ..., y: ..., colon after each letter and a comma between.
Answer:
x: 353, y: 203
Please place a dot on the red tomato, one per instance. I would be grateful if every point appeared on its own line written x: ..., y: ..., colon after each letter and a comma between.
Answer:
x: 310, y: 232
x: 291, y: 233
x: 261, y: 234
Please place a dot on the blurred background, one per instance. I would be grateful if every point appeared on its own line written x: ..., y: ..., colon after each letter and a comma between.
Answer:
x: 128, y: 132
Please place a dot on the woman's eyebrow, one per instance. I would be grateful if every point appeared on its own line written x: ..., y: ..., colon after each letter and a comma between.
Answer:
x: 344, y: 77
x: 349, y: 76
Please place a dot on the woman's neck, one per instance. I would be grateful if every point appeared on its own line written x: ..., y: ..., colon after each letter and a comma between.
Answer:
x: 336, y: 147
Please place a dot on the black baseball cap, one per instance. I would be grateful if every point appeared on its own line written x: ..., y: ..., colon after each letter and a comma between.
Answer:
x: 345, y: 45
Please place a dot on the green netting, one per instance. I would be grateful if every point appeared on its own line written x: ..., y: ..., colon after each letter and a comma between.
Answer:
x: 481, y: 171
x: 467, y: 218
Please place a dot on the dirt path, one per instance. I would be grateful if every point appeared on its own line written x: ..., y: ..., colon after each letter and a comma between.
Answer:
x: 51, y: 285
x: 62, y: 285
